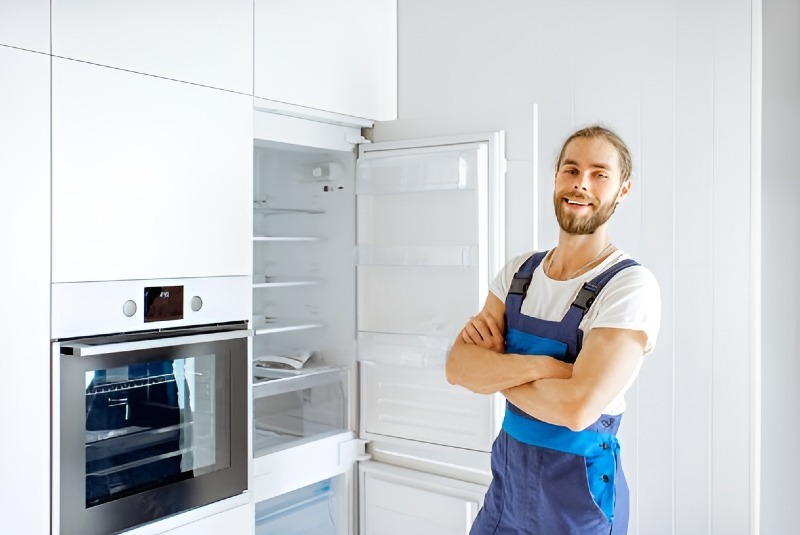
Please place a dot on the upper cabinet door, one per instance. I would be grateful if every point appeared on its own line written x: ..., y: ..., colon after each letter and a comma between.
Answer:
x: 207, y: 43
x: 334, y: 56
x: 25, y: 24
x: 151, y: 178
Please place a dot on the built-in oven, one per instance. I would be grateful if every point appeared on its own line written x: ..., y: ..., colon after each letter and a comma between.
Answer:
x: 148, y: 423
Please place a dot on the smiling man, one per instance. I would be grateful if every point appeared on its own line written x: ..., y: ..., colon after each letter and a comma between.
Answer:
x: 562, y: 336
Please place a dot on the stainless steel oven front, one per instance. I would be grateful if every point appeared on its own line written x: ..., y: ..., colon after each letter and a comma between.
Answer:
x: 147, y: 424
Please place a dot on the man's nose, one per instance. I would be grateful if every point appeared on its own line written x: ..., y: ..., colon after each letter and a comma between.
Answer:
x: 580, y: 181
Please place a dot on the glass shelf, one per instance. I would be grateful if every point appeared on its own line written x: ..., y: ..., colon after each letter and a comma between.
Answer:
x: 284, y: 238
x: 261, y: 207
x: 262, y: 326
x: 260, y: 281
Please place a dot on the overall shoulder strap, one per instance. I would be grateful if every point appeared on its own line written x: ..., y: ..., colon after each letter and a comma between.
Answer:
x: 523, y: 276
x: 588, y: 293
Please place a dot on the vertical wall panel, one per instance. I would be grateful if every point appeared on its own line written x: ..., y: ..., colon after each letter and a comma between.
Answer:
x: 655, y: 180
x: 732, y: 328
x: 781, y: 256
x: 694, y: 275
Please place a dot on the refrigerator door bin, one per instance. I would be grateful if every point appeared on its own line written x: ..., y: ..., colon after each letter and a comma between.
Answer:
x: 291, y: 407
x: 429, y: 169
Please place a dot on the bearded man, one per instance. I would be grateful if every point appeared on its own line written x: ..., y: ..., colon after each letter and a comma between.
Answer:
x: 562, y: 336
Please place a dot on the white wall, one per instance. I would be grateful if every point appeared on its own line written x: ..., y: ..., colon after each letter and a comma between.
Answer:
x: 674, y: 78
x: 781, y: 256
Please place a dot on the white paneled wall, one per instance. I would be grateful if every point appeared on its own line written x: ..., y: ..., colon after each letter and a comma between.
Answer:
x: 674, y: 78
x: 781, y: 257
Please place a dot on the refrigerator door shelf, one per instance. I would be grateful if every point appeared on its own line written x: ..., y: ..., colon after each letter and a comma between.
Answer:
x: 426, y: 169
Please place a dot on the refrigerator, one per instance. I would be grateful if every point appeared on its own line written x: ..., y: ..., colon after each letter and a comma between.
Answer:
x: 368, y: 258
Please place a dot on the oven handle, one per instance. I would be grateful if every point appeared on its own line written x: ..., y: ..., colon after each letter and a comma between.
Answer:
x: 85, y: 350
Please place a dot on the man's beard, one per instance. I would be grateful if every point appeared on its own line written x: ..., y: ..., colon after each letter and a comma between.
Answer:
x: 572, y: 223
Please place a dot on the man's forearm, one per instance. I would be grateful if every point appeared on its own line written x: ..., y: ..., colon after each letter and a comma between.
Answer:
x: 555, y: 401
x: 485, y: 372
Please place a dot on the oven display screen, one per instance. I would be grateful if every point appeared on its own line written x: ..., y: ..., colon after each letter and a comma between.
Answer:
x: 163, y: 303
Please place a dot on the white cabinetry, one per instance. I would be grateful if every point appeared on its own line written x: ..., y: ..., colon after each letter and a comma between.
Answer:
x: 208, y: 43
x: 334, y: 56
x: 151, y: 177
x: 25, y: 287
x: 25, y: 24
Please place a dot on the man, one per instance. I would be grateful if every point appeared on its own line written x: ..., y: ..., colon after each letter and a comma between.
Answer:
x: 562, y: 336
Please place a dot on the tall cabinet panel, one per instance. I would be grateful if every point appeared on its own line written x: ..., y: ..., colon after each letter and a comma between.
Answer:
x: 334, y: 56
x: 151, y: 177
x: 25, y: 24
x: 25, y: 287
x: 208, y: 43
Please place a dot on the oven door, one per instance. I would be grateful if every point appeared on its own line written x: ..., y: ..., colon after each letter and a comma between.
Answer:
x: 147, y: 427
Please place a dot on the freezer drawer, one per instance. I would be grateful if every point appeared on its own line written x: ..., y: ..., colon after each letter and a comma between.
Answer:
x: 295, y: 407
x: 320, y: 508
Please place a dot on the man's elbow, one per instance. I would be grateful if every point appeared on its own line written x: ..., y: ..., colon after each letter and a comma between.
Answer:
x: 579, y: 415
x: 451, y: 368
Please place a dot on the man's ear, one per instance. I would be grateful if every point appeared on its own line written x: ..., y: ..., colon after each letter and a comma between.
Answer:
x: 624, y: 189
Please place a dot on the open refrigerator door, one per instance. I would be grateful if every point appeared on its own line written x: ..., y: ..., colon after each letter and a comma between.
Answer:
x: 430, y: 220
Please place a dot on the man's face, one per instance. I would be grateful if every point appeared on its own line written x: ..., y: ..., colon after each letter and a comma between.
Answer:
x: 588, y: 185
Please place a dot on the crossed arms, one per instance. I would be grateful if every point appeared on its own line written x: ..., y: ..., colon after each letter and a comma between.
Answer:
x: 573, y: 396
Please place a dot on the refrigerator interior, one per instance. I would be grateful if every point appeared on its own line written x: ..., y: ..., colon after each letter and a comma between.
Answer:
x: 303, y: 294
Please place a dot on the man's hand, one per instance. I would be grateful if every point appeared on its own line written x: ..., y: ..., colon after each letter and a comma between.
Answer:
x: 482, y: 330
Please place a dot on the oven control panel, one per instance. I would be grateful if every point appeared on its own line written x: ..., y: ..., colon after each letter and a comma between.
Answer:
x: 92, y: 308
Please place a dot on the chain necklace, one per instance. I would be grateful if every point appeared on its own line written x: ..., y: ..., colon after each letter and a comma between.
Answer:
x: 552, y: 254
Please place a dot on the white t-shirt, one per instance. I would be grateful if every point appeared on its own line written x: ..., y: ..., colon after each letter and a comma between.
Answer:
x: 631, y: 300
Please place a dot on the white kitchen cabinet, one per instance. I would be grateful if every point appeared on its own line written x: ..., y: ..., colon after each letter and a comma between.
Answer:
x: 25, y: 287
x: 25, y: 24
x: 208, y: 43
x: 334, y: 56
x: 152, y: 178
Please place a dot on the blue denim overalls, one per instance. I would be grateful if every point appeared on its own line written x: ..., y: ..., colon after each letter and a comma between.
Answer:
x: 547, y: 479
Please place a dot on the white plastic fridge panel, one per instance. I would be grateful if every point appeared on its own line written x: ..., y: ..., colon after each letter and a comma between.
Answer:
x: 430, y: 219
x: 398, y: 501
x: 434, y: 301
x: 151, y: 178
x: 419, y: 404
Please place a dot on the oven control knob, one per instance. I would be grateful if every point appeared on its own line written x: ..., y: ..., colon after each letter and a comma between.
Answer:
x: 197, y: 303
x: 129, y: 308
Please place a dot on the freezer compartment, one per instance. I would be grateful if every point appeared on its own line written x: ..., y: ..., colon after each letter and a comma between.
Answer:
x: 320, y: 508
x: 417, y: 403
x: 292, y: 407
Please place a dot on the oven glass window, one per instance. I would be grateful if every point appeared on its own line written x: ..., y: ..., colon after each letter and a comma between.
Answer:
x: 152, y: 424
